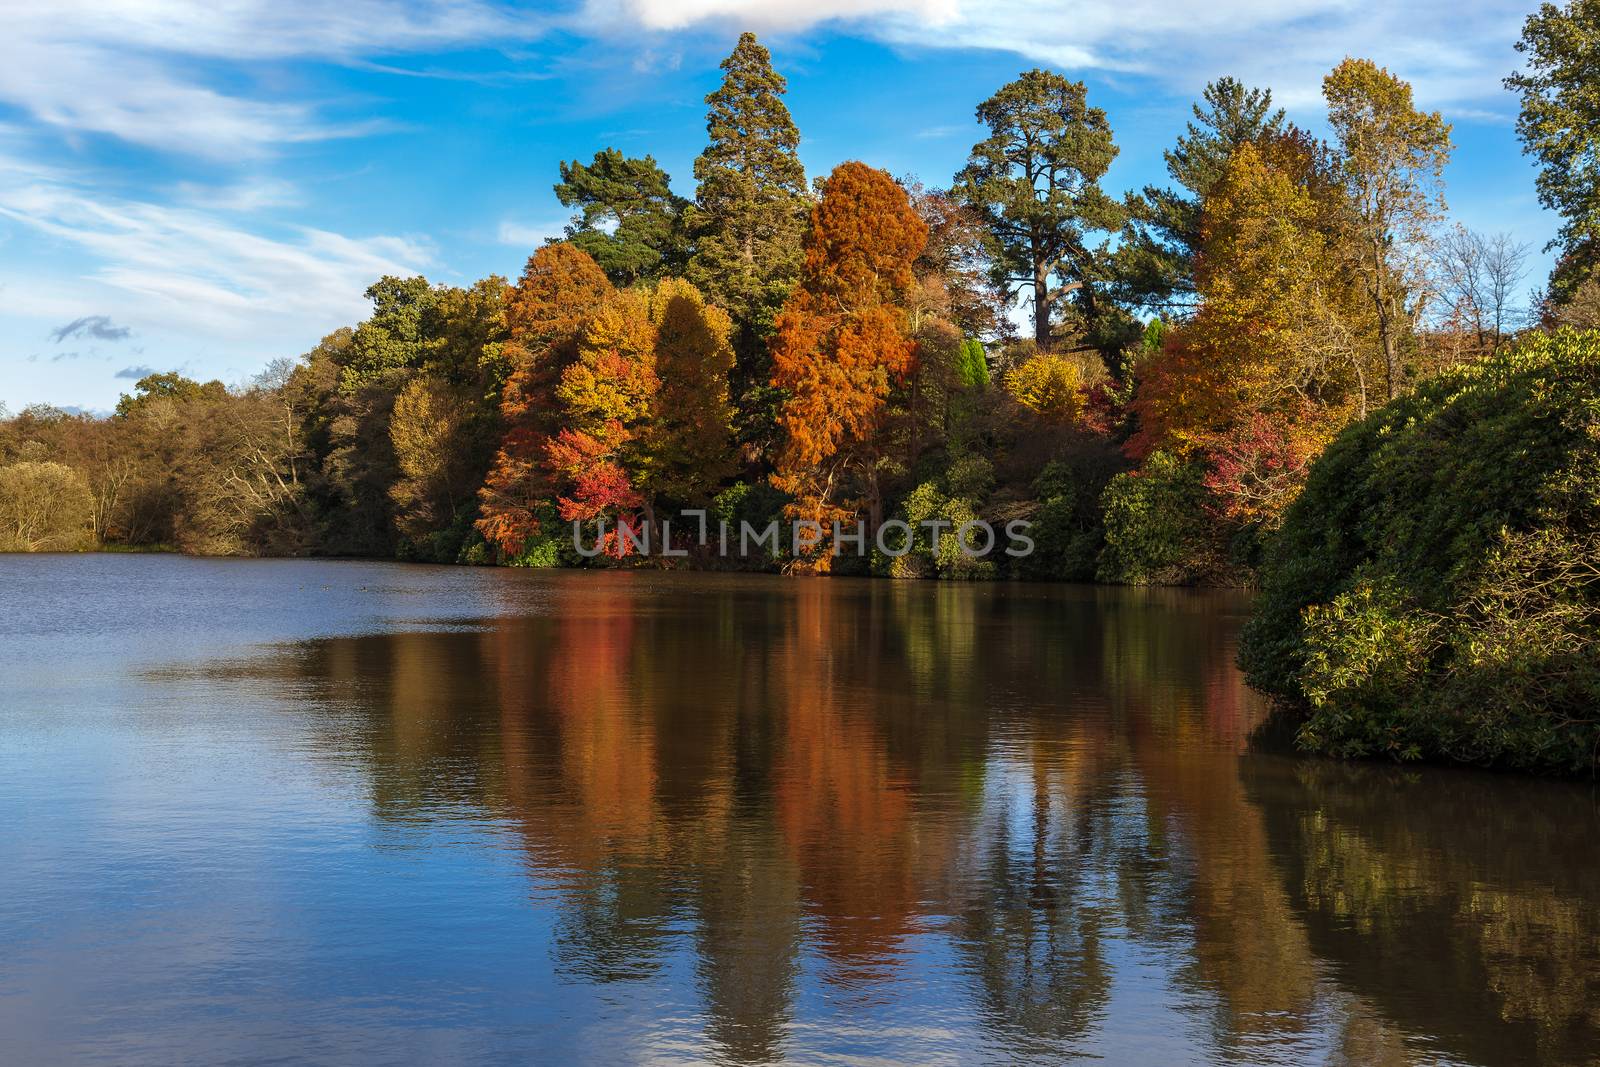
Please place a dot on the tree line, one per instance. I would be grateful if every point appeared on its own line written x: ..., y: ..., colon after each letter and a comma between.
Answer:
x: 843, y: 349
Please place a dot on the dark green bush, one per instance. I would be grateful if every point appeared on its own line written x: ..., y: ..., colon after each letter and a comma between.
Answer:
x: 1067, y: 532
x: 1159, y: 528
x: 1435, y: 591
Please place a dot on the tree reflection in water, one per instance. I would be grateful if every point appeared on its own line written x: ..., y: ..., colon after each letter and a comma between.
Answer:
x: 1029, y: 816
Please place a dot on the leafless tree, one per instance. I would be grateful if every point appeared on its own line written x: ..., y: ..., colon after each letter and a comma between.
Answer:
x: 1479, y: 277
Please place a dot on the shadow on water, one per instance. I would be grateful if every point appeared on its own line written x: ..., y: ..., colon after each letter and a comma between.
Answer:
x: 933, y: 821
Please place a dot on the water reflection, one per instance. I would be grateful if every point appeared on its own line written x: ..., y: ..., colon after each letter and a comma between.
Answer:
x: 1033, y: 811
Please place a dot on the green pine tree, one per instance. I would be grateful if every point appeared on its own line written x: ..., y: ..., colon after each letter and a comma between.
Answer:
x: 1155, y: 262
x: 628, y: 218
x: 1035, y: 182
x: 750, y: 210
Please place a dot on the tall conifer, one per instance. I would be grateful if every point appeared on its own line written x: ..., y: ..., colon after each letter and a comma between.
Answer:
x: 749, y: 213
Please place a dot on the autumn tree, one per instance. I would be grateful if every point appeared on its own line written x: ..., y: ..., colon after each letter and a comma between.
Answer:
x: 1156, y: 262
x: 166, y: 386
x: 629, y: 220
x: 643, y: 408
x: 841, y: 343
x: 44, y: 507
x: 348, y: 390
x: 560, y: 287
x: 749, y: 210
x: 238, y: 474
x: 953, y: 280
x: 689, y: 446
x: 1283, y: 329
x: 1036, y: 182
x: 426, y: 428
x: 1393, y: 158
x: 604, y: 399
x: 1047, y: 385
x: 1560, y: 127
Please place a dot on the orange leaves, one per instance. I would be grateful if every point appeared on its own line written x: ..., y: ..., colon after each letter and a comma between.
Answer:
x: 607, y: 386
x: 837, y: 370
x: 841, y: 340
x: 864, y: 238
x: 559, y: 289
x: 593, y: 429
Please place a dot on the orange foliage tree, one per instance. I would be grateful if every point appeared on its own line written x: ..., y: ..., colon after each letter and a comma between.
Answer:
x: 841, y: 343
x: 644, y: 407
x: 559, y: 289
x: 605, y: 397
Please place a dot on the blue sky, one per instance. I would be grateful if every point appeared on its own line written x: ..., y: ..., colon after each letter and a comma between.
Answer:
x: 206, y: 185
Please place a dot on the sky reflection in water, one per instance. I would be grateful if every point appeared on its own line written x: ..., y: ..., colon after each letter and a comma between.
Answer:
x: 368, y: 812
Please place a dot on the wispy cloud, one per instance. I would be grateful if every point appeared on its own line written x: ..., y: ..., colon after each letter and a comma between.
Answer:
x: 175, y: 74
x: 183, y: 268
x: 1285, y: 45
x: 939, y: 133
x: 96, y: 327
x: 530, y: 235
x: 134, y: 373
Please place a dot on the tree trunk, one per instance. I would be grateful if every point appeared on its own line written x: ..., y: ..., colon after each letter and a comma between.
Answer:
x: 1041, y: 305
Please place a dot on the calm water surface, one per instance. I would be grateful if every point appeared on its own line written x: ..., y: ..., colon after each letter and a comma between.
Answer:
x: 351, y: 813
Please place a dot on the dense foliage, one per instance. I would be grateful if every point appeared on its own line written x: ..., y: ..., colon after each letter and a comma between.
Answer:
x: 1435, y: 590
x: 767, y: 349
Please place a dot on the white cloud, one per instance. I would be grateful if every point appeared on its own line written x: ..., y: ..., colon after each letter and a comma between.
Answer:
x: 252, y: 194
x: 1451, y: 51
x: 764, y: 14
x: 164, y: 74
x: 181, y: 269
x: 530, y: 235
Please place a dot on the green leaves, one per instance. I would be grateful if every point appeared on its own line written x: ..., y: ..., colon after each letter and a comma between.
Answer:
x: 1036, y: 182
x: 750, y: 209
x: 1560, y: 124
x: 1434, y: 591
x: 629, y: 219
x: 393, y: 337
x: 1158, y: 529
x: 1156, y: 261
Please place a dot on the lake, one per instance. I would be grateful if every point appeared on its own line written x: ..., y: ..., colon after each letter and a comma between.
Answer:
x: 349, y: 812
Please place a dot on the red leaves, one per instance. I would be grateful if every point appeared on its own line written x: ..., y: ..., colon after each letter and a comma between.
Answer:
x: 589, y: 463
x: 559, y: 289
x: 1258, y: 467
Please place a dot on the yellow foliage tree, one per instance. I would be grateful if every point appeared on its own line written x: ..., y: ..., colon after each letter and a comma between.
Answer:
x: 425, y: 427
x: 1047, y: 385
x: 689, y: 447
x: 1282, y: 328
